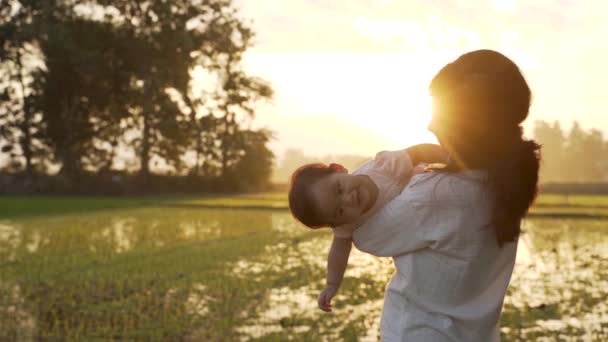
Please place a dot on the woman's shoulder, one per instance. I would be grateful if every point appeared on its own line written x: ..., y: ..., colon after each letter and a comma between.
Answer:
x: 448, y: 188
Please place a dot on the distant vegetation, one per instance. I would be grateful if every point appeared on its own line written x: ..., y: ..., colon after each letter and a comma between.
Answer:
x: 575, y: 159
x: 572, y: 156
x: 98, y: 90
x: 294, y: 158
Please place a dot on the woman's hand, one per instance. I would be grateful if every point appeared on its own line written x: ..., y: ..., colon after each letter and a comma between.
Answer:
x: 420, y: 168
x: 326, y: 296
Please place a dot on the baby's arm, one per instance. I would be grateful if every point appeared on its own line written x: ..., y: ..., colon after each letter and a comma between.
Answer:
x: 336, y: 265
x: 403, y: 164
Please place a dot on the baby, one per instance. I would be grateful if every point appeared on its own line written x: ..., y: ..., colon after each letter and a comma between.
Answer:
x: 328, y: 196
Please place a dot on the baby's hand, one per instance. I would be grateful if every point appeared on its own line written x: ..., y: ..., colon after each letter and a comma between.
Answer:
x: 326, y: 296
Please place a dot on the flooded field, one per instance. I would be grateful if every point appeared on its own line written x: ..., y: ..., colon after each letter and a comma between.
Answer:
x: 241, y: 269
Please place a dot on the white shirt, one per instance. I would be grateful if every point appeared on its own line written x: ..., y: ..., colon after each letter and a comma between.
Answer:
x: 451, y: 276
x: 390, y: 171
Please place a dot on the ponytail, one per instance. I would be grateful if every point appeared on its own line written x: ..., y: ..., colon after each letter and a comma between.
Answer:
x: 514, y: 183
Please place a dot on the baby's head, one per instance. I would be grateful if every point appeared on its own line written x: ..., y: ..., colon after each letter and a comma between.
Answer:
x: 328, y: 196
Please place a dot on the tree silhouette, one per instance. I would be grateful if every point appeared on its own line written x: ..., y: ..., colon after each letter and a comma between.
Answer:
x: 553, y: 141
x: 578, y: 156
x: 117, y: 74
x: 21, y: 125
x: 256, y: 162
x: 174, y: 37
x: 82, y: 90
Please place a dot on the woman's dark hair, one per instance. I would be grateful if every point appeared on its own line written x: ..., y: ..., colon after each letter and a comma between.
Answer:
x: 301, y: 203
x: 481, y: 99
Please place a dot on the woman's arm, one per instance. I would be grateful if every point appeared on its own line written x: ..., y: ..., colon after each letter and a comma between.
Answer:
x: 427, y: 153
x: 399, y: 228
x: 411, y: 221
x: 403, y: 164
x: 336, y: 265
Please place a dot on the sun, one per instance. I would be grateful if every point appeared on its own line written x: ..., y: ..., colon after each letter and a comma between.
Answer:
x: 410, y: 126
x: 504, y: 5
x: 393, y: 103
x: 382, y: 96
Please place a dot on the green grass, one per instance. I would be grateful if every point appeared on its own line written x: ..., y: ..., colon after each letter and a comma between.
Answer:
x: 217, y: 268
x: 579, y: 200
x: 14, y: 207
x: 124, y: 269
x: 570, y: 206
x: 23, y: 206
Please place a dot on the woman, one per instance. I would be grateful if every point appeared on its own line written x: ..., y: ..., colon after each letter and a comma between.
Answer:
x: 453, y: 231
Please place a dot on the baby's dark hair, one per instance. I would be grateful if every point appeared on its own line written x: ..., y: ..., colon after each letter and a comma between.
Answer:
x: 301, y: 202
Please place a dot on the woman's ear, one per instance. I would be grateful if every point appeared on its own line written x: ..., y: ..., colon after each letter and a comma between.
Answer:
x: 338, y: 168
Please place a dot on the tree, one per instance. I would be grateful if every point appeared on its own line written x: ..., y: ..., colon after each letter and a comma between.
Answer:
x: 21, y: 125
x: 237, y: 98
x: 255, y: 166
x: 83, y: 90
x: 578, y: 156
x: 70, y: 85
x: 174, y: 37
x: 177, y: 37
x: 591, y: 163
x: 574, y: 154
x: 204, y: 137
x: 119, y: 73
x: 294, y: 158
x: 553, y: 143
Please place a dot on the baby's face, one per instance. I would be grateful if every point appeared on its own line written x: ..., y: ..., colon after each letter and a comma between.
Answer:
x: 342, y: 198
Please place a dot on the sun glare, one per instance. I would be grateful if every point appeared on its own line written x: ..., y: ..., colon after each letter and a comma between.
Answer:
x: 384, y: 94
x: 409, y: 126
x: 389, y: 98
x: 504, y: 5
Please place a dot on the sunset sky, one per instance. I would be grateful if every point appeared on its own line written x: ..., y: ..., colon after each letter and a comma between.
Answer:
x: 352, y: 76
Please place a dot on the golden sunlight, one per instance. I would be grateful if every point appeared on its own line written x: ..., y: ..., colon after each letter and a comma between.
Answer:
x: 367, y: 65
x: 384, y: 93
x: 504, y: 5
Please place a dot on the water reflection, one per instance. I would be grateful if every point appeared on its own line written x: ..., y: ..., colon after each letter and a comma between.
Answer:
x: 15, y: 239
x: 280, y: 305
x: 291, y: 311
x: 16, y: 321
x: 35, y: 242
x: 559, y: 288
x: 197, y: 302
x: 10, y: 239
x: 98, y: 270
x: 201, y: 229
x: 560, y: 283
x: 283, y: 304
x: 256, y: 275
x: 118, y: 232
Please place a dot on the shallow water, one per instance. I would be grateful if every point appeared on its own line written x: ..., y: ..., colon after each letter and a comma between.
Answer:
x: 559, y: 289
x: 263, y: 279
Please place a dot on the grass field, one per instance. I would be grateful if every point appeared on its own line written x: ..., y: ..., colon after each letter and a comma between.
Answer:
x: 239, y: 268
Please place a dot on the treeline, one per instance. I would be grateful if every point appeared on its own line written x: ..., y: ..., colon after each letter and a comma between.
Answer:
x: 574, y: 155
x: 101, y: 91
x: 293, y: 158
x: 569, y: 157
